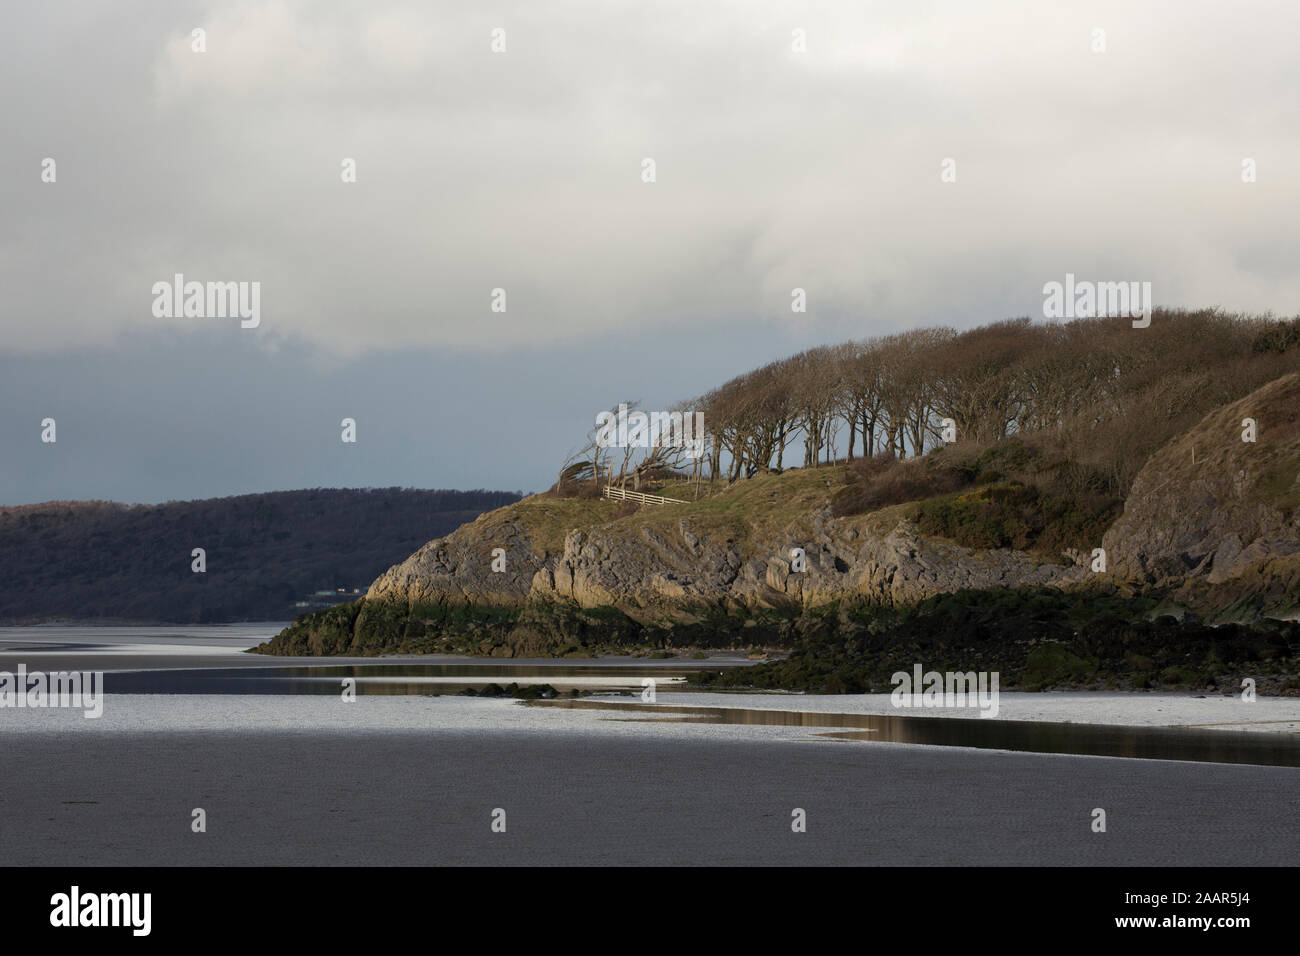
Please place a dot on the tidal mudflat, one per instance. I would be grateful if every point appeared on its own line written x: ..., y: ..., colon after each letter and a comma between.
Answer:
x: 415, y: 780
x: 412, y: 778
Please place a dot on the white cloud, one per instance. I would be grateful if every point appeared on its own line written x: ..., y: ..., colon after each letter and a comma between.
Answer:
x: 521, y: 170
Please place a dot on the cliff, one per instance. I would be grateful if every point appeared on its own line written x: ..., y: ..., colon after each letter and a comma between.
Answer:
x: 1217, y: 536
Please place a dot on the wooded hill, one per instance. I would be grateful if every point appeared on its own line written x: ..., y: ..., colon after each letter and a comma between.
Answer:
x: 1103, y: 394
x: 104, y: 561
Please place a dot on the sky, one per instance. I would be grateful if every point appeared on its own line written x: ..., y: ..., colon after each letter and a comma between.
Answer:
x: 905, y: 164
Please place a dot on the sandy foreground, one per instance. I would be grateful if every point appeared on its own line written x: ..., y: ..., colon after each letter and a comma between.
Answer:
x: 414, y: 780
x: 159, y: 712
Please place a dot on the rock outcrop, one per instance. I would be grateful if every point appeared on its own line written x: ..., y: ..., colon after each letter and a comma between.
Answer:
x: 457, y: 569
x: 675, y: 572
x: 680, y: 564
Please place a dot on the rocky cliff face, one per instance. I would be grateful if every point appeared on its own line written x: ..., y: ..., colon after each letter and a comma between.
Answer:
x: 457, y: 569
x: 676, y: 571
x: 673, y: 566
x: 1213, y: 514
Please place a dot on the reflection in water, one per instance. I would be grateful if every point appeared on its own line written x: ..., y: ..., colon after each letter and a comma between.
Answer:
x: 1154, y: 743
x: 1150, y: 743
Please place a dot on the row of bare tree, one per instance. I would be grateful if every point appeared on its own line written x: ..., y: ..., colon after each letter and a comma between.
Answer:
x: 1107, y: 393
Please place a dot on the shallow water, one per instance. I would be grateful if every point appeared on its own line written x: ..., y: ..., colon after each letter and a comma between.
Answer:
x: 208, y: 661
x: 1056, y: 737
x: 1050, y: 737
x: 427, y: 679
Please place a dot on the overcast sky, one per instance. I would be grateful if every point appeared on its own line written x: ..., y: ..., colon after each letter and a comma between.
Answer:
x: 523, y: 170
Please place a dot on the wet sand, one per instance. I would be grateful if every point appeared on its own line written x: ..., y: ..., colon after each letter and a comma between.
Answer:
x: 326, y: 783
x: 420, y: 799
x: 413, y: 780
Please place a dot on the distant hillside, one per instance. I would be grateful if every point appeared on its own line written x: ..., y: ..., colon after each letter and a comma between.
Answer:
x: 267, y: 555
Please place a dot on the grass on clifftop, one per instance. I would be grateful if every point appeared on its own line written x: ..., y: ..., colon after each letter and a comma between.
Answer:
x: 1012, y: 494
x: 750, y: 510
x: 746, y: 511
x: 548, y: 519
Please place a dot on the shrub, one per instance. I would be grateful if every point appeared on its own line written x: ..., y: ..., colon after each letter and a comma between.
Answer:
x: 875, y: 483
x: 1278, y: 337
x: 587, y: 489
x: 1008, y: 514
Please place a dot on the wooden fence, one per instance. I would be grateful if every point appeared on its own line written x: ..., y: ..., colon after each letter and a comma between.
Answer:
x: 621, y: 494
